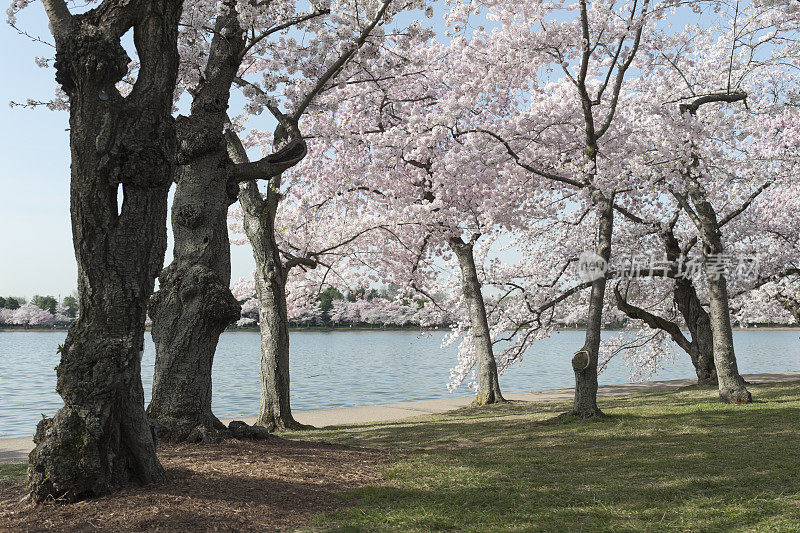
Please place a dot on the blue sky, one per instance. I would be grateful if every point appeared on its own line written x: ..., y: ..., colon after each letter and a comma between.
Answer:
x: 35, y: 244
x: 36, y: 255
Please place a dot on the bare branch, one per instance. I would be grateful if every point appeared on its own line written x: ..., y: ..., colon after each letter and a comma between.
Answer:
x: 695, y: 104
x: 621, y: 76
x: 518, y: 160
x: 652, y: 320
x: 288, y: 24
x: 271, y: 165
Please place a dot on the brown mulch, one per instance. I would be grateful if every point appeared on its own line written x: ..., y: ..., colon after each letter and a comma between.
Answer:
x: 228, y: 486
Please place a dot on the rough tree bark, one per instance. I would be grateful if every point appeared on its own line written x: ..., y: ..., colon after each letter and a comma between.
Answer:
x: 275, y: 412
x: 732, y: 387
x: 701, y: 348
x: 699, y: 325
x: 695, y: 203
x: 101, y: 438
x: 488, y: 382
x: 700, y: 345
x: 194, y: 304
x: 584, y: 362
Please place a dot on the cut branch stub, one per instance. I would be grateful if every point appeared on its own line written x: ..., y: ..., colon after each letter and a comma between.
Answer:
x: 580, y: 361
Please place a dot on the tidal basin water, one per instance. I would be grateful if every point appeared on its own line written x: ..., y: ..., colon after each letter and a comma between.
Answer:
x: 346, y: 368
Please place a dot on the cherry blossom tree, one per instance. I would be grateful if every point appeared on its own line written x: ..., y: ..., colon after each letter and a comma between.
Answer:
x: 711, y: 147
x: 302, y: 238
x: 570, y: 127
x: 122, y: 146
x: 244, y: 41
x: 27, y: 315
x: 748, y: 164
x: 401, y: 146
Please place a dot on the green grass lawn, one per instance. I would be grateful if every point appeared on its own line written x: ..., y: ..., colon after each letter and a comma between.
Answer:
x: 678, y: 461
x: 675, y: 461
x: 12, y: 471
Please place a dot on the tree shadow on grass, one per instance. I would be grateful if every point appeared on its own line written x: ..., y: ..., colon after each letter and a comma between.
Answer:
x: 656, y: 463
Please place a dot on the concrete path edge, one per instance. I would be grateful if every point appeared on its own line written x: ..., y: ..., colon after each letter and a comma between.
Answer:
x: 16, y: 449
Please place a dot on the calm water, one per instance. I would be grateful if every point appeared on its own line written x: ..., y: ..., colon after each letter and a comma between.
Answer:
x: 344, y: 368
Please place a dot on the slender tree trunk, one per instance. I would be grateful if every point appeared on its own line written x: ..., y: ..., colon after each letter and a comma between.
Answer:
x: 275, y: 412
x: 488, y: 382
x: 101, y: 438
x: 194, y: 304
x: 584, y: 362
x: 731, y: 385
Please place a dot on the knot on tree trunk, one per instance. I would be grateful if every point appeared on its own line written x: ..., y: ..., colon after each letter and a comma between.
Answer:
x: 580, y: 361
x: 197, y: 138
x: 189, y: 216
x: 146, y: 159
x: 88, y: 54
x: 199, y: 292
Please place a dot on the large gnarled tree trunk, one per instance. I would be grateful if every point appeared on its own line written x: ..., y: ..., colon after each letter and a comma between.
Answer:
x: 488, y: 382
x: 101, y: 438
x: 194, y: 304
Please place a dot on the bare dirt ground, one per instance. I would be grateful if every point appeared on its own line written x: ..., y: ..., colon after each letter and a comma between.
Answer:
x: 230, y: 486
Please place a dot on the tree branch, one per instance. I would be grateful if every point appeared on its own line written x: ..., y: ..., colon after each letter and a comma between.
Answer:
x: 59, y: 15
x: 654, y: 321
x: 339, y: 63
x: 736, y: 212
x: 518, y: 161
x: 695, y: 104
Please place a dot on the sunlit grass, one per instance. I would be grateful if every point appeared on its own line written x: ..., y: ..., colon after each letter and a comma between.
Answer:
x: 677, y: 461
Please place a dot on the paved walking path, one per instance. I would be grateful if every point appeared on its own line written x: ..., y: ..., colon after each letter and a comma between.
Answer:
x: 16, y: 449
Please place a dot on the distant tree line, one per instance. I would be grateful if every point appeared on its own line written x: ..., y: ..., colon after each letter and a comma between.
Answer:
x: 42, y: 311
x: 364, y: 307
